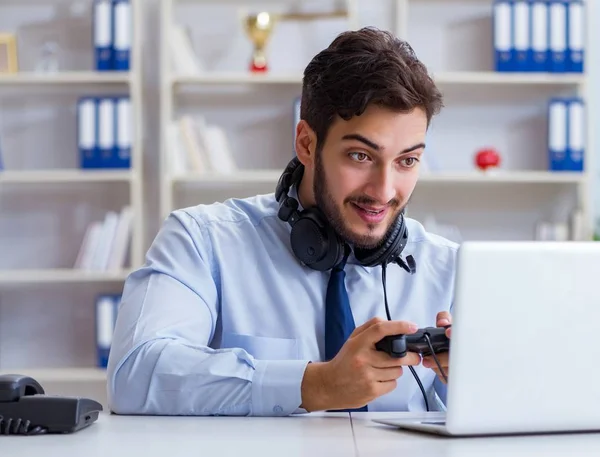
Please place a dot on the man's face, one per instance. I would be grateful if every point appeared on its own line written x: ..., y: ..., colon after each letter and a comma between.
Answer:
x: 366, y: 171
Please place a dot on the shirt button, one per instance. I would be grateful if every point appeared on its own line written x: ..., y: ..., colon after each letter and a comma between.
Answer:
x: 277, y: 409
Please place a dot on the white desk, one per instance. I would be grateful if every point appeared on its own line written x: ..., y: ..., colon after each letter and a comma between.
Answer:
x: 313, y: 435
x: 128, y: 436
x: 375, y: 440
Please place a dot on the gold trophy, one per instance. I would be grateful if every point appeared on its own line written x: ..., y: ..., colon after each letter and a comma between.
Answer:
x: 259, y: 28
x: 8, y: 53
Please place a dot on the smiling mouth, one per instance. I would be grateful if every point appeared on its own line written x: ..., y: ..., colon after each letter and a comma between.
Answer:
x: 369, y: 211
x: 370, y: 215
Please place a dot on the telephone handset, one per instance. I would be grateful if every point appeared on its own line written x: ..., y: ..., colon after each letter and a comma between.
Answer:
x: 25, y: 409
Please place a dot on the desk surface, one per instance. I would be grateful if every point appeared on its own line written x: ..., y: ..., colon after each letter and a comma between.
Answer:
x: 312, y: 435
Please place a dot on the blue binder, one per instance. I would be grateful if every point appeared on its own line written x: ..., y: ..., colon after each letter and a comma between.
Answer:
x: 522, y: 35
x: 87, y: 132
x: 558, y: 36
x: 122, y: 32
x: 102, y: 35
x: 106, y: 131
x: 575, y: 37
x: 123, y: 132
x: 557, y: 134
x: 503, y: 35
x: 575, y: 135
x: 540, y: 36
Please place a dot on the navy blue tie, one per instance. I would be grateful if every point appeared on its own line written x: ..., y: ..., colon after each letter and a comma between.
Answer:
x: 339, y: 323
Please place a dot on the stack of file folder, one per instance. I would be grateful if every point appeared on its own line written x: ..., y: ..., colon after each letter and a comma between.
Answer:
x: 539, y: 36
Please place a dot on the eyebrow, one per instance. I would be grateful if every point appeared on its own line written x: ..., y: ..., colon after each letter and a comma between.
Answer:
x: 375, y: 146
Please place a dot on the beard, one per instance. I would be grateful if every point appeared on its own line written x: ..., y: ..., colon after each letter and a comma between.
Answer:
x: 334, y: 216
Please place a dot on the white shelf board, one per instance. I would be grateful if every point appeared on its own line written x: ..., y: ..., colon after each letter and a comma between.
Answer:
x: 64, y: 176
x: 47, y: 375
x: 507, y: 78
x: 508, y: 177
x: 446, y: 78
x: 67, y: 77
x: 246, y: 176
x: 60, y: 275
x: 237, y: 78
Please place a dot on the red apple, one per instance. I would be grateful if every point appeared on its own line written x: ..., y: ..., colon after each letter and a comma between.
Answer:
x: 487, y: 158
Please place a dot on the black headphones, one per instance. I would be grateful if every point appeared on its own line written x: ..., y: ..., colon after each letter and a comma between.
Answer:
x: 318, y: 246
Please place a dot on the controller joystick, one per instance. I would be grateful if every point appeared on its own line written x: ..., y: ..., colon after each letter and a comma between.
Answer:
x: 398, y: 346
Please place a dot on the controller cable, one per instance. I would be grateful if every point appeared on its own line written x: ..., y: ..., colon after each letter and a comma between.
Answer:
x: 412, y: 370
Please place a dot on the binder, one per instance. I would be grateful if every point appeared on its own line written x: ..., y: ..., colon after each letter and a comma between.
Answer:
x: 106, y: 310
x: 102, y: 35
x: 106, y: 132
x: 121, y: 34
x: 539, y: 36
x: 87, y: 132
x: 575, y: 135
x: 575, y: 37
x: 558, y: 36
x: 522, y: 35
x: 123, y: 137
x: 503, y: 35
x: 557, y: 134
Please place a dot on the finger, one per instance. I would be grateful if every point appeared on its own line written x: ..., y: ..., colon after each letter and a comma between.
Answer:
x: 358, y: 330
x: 382, y: 329
x: 429, y: 361
x: 388, y: 374
x: 385, y: 387
x: 443, y: 319
x: 382, y: 360
x: 449, y: 332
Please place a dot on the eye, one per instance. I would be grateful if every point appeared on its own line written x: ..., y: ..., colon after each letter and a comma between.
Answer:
x: 359, y: 156
x: 410, y: 161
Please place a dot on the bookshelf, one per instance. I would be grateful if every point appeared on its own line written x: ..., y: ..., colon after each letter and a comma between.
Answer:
x: 507, y: 111
x: 49, y: 200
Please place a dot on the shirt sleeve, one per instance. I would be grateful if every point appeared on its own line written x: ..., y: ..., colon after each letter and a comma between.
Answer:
x: 161, y: 361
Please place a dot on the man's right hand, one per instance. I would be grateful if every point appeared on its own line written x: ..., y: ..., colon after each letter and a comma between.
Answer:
x: 359, y: 373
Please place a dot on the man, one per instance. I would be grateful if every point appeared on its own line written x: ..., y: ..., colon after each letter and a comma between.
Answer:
x: 225, y: 319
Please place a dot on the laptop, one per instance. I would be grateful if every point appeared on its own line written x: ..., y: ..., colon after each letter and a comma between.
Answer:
x: 525, y: 346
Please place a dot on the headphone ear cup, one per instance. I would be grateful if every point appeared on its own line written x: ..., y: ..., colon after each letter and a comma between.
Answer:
x: 392, y: 246
x: 315, y: 243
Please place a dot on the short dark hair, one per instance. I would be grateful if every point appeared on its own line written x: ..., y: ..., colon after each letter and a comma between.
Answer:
x: 362, y: 67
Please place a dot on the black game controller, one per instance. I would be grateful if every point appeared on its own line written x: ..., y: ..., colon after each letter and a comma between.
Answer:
x: 398, y: 346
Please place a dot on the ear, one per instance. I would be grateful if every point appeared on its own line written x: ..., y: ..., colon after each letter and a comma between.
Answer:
x: 306, y: 144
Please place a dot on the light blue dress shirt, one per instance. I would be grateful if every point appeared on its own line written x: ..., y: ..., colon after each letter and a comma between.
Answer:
x: 222, y: 319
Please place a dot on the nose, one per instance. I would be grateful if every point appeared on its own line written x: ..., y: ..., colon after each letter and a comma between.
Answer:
x: 382, y: 188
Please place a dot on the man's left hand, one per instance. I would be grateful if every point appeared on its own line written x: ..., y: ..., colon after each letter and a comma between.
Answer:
x: 443, y: 319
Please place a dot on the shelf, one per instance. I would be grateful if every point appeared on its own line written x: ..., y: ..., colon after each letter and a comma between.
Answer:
x: 60, y: 275
x: 67, y: 77
x: 507, y: 177
x: 248, y: 176
x: 64, y: 176
x: 237, y: 78
x: 505, y: 78
x: 47, y: 375
x: 446, y: 78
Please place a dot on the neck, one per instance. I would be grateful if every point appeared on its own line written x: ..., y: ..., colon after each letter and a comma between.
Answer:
x: 305, y: 192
